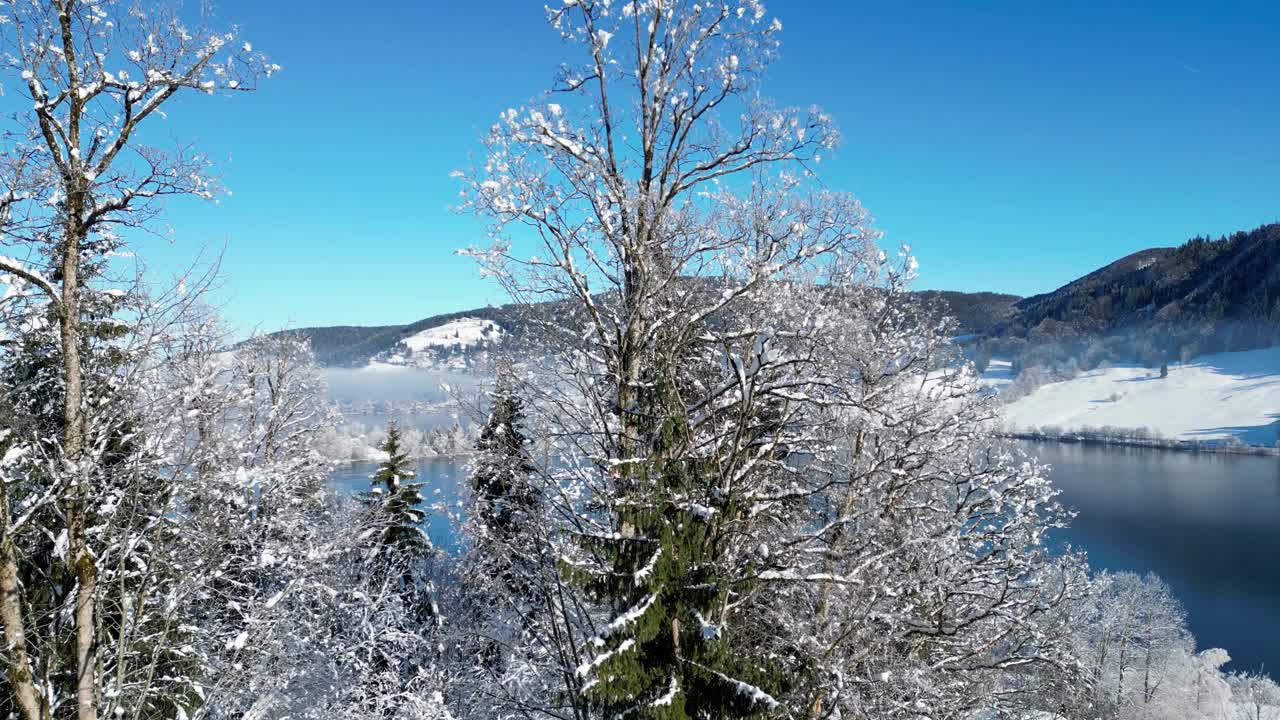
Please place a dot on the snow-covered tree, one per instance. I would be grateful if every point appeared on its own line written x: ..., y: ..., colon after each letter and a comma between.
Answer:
x: 749, y: 435
x: 401, y: 551
x: 128, y: 501
x: 1256, y: 696
x: 397, y: 501
x: 1139, y: 661
x: 504, y: 499
x: 291, y: 608
x: 1140, y: 633
x: 79, y: 171
x: 517, y: 619
x: 254, y: 513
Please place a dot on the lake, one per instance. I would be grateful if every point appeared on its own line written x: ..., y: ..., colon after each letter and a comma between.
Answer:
x: 1208, y: 524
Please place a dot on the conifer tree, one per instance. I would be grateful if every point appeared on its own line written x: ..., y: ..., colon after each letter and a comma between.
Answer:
x: 397, y: 500
x: 669, y: 585
x: 503, y: 497
x: 506, y: 568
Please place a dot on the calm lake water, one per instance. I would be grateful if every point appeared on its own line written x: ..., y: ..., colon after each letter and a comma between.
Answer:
x: 1208, y: 524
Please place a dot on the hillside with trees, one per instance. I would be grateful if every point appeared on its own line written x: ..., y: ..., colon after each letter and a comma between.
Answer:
x: 357, y: 346
x: 1159, y: 305
x: 1153, y: 306
x: 973, y: 312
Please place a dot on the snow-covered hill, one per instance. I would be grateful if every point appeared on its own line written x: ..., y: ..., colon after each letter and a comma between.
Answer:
x: 464, y: 332
x: 1212, y: 398
x: 441, y: 346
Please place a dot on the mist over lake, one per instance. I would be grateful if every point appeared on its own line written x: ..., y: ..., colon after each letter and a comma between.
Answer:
x: 396, y: 384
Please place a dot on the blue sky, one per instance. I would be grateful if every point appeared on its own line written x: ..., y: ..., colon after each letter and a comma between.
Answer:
x: 1015, y: 145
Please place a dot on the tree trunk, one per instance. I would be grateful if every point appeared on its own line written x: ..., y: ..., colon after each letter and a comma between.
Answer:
x: 76, y: 230
x: 81, y: 559
x: 817, y: 709
x: 19, y: 664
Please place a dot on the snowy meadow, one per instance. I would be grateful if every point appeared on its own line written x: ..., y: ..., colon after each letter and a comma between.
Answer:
x: 739, y: 471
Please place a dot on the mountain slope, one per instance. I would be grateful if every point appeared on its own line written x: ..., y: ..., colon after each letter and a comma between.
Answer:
x: 973, y: 312
x: 1220, y: 295
x: 453, y: 338
x: 1226, y: 397
x: 1153, y: 306
x: 356, y: 346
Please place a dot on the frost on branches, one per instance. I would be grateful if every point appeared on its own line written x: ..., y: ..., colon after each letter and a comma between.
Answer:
x: 516, y: 615
x: 766, y: 496
x: 75, y: 172
x: 292, y: 608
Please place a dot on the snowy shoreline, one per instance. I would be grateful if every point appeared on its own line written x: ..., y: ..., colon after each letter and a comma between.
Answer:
x: 1189, y: 446
x: 1222, y: 403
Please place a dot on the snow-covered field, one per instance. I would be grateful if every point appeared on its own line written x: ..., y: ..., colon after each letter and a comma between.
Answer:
x: 1212, y: 398
x: 429, y: 348
x: 465, y: 332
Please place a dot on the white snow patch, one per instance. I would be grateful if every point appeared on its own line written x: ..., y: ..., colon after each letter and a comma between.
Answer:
x: 626, y: 619
x: 464, y: 332
x: 1212, y: 398
x: 585, y: 668
x: 669, y: 695
x: 421, y: 349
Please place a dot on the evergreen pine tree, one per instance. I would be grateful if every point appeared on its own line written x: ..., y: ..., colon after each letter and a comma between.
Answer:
x: 397, y: 500
x: 402, y: 545
x: 508, y: 563
x: 664, y: 655
x: 503, y: 497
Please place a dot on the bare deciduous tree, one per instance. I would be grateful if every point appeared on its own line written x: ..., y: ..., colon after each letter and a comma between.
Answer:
x: 81, y: 173
x: 746, y: 423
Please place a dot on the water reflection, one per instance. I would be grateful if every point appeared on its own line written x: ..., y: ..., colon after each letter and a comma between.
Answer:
x: 1208, y: 524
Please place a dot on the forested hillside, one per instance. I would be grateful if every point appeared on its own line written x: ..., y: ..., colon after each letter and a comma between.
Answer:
x: 1163, y: 304
x: 357, y: 346
x: 1152, y: 306
x: 974, y: 312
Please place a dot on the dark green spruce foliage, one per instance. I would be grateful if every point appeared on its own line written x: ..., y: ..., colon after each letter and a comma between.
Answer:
x: 505, y: 502
x: 503, y: 494
x: 397, y: 500
x: 665, y: 655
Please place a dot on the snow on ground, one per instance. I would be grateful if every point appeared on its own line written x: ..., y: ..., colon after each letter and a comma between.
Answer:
x: 431, y: 347
x: 1212, y: 398
x: 464, y: 331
